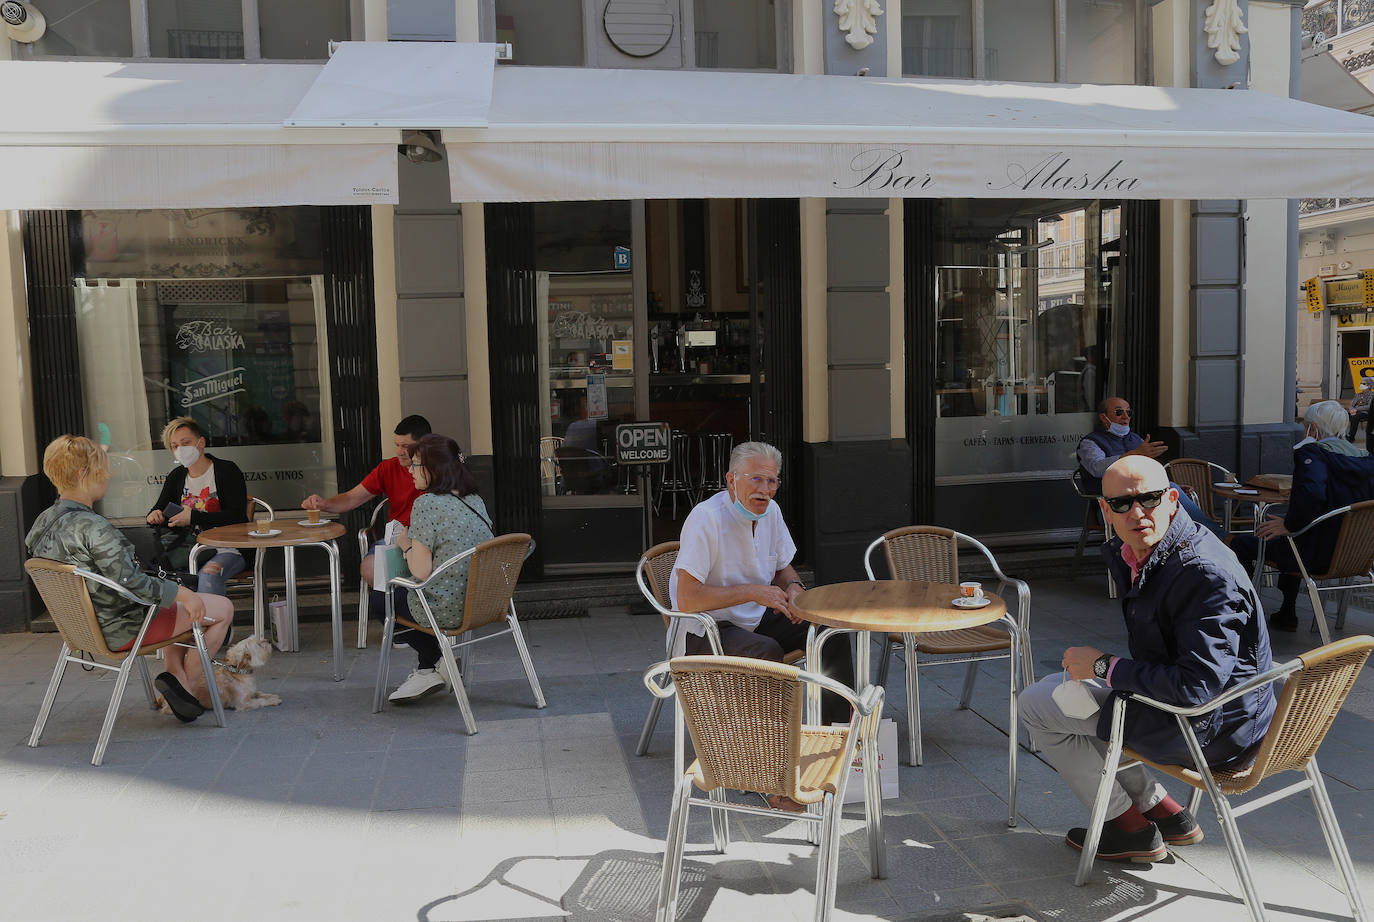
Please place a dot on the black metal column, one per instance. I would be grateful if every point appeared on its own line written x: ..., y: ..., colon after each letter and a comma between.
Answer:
x: 52, y: 251
x: 778, y: 244
x: 513, y: 334
x: 1138, y: 313
x: 351, y: 322
x: 918, y: 263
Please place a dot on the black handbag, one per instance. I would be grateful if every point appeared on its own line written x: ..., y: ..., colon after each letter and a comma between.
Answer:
x: 172, y: 555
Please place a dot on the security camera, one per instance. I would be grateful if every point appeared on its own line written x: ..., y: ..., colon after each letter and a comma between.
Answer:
x: 421, y: 147
x: 22, y: 21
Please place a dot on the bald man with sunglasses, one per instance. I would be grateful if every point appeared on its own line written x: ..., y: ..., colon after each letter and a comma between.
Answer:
x: 1194, y: 629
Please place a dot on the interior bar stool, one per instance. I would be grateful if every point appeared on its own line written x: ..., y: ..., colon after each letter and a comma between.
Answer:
x: 677, y: 479
x: 715, y: 448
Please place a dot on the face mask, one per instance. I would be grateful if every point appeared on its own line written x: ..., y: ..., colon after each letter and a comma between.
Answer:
x: 751, y: 516
x: 1120, y: 430
x: 186, y: 455
x: 1306, y: 441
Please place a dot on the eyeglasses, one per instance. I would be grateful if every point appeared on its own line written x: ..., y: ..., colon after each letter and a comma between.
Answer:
x: 764, y: 483
x: 414, y: 464
x: 1122, y: 411
x: 1123, y: 504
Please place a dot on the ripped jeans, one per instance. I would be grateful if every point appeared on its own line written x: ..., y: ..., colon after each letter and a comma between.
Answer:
x: 231, y: 565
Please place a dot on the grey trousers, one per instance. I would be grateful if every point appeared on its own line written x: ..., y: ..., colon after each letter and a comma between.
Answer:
x: 1072, y: 746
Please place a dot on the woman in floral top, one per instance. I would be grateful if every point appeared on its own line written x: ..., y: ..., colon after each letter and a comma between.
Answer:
x: 448, y: 517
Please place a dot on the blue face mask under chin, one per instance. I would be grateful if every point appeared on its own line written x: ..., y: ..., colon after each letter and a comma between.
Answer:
x: 1120, y: 430
x: 751, y: 516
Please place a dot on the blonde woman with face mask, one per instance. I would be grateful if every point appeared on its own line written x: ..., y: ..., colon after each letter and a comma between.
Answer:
x: 201, y: 492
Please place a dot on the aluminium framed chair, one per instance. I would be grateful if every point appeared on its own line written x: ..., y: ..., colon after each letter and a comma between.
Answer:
x: 493, y: 571
x: 364, y: 548
x: 1315, y: 686
x: 653, y: 574
x: 745, y: 720
x: 1199, y: 475
x: 66, y: 594
x: 1352, y: 561
x: 1093, y: 524
x: 930, y: 553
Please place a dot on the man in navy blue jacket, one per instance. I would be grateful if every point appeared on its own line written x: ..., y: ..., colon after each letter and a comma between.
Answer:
x: 1194, y: 629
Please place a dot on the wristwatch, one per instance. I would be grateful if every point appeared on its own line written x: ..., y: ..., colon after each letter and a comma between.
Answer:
x: 1101, y: 665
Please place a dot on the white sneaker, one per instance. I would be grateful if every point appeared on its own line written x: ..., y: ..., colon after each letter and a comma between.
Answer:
x: 419, y: 684
x: 442, y: 668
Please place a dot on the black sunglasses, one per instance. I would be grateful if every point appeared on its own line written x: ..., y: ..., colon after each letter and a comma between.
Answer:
x: 1121, y: 412
x: 1123, y: 504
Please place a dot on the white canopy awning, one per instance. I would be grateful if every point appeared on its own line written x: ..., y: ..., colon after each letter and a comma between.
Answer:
x: 164, y: 135
x: 581, y: 133
x: 1326, y: 82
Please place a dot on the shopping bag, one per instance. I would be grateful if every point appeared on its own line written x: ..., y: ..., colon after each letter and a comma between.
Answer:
x: 389, y: 563
x: 281, y: 624
x: 887, y: 765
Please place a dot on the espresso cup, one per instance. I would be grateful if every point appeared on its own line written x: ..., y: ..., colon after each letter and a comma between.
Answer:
x: 971, y: 590
x: 313, y: 515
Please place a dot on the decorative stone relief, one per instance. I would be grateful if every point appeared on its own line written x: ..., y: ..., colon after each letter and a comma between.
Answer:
x: 1224, y: 25
x: 858, y: 19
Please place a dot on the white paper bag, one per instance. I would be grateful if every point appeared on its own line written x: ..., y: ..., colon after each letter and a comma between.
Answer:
x: 887, y: 765
x: 281, y: 624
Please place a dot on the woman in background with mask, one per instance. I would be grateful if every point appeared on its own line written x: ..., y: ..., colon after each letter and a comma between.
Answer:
x: 210, y: 492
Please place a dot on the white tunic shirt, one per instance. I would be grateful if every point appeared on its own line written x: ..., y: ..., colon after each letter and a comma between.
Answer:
x: 720, y: 547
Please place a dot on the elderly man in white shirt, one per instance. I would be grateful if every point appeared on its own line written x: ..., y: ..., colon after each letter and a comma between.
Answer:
x: 735, y: 563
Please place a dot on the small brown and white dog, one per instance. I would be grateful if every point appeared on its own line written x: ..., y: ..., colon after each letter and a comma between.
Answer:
x: 238, y: 688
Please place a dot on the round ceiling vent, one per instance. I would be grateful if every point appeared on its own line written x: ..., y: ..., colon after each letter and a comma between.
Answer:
x: 639, y: 28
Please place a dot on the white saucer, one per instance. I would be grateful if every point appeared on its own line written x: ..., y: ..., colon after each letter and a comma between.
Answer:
x: 270, y: 533
x: 966, y: 602
x: 1226, y: 483
x: 309, y: 524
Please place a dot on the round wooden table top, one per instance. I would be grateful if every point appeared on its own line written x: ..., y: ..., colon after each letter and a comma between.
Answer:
x: 894, y: 605
x: 1251, y: 494
x: 292, y: 532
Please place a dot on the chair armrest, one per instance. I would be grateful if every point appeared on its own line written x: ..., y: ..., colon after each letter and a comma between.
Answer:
x: 1318, y: 520
x: 651, y: 676
x: 866, y: 702
x: 405, y: 583
x: 111, y: 584
x: 1273, y: 675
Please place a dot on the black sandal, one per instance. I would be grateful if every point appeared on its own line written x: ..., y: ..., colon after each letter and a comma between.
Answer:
x: 183, y: 704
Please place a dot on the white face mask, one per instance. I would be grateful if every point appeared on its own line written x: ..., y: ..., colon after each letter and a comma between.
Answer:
x: 1120, y: 430
x: 186, y: 455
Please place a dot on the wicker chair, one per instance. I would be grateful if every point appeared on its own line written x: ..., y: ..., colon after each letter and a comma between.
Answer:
x: 1093, y: 524
x: 652, y: 575
x: 1199, y: 475
x: 68, y: 600
x: 492, y: 575
x: 1315, y: 686
x: 745, y: 718
x: 923, y: 552
x: 366, y: 537
x: 1352, y: 561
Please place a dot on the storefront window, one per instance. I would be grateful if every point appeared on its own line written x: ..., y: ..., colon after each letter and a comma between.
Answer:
x: 302, y: 29
x: 192, y: 321
x: 1023, y: 337
x: 1100, y: 39
x: 937, y: 40
x: 541, y: 33
x: 83, y: 28
x: 736, y: 34
x: 1019, y: 37
x: 195, y: 28
x: 586, y: 356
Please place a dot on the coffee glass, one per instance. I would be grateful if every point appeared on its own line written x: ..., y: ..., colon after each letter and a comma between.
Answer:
x: 313, y: 515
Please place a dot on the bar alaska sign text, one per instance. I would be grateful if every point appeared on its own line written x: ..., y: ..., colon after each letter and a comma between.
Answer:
x: 894, y: 170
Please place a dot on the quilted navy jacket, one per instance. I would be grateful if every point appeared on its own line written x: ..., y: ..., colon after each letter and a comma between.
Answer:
x: 1196, y: 628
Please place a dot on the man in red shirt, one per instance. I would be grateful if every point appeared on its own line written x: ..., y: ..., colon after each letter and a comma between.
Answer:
x: 391, y: 477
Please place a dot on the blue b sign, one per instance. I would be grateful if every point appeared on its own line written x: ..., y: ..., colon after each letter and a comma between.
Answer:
x: 622, y: 257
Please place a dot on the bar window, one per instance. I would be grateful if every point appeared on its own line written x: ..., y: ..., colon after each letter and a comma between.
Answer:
x: 736, y: 34
x: 195, y: 29
x: 82, y: 28
x: 541, y: 33
x: 937, y: 39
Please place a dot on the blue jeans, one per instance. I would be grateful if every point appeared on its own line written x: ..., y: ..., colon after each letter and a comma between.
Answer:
x: 1196, y: 514
x: 213, y: 583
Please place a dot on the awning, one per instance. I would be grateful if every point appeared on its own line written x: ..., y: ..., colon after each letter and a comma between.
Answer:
x: 171, y: 135
x: 581, y: 133
x: 1326, y: 82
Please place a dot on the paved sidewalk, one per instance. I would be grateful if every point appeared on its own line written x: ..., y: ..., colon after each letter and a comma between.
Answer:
x: 319, y: 809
